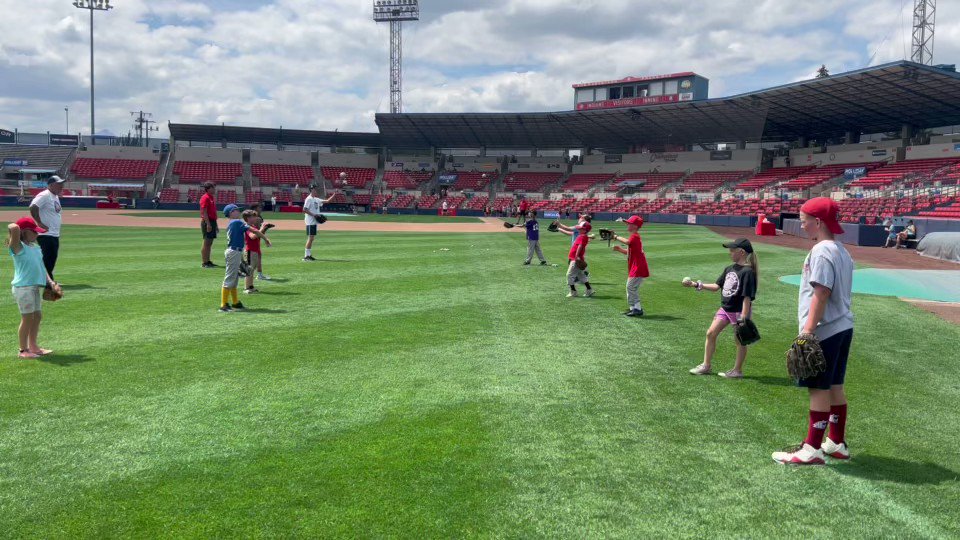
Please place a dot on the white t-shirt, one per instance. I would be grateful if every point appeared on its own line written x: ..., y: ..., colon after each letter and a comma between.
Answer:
x: 313, y: 205
x: 828, y: 264
x: 49, y: 206
x: 444, y: 205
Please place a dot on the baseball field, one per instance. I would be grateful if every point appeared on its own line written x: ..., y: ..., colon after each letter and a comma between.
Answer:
x: 427, y: 384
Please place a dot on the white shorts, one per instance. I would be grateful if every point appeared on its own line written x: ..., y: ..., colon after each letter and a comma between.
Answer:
x: 29, y: 299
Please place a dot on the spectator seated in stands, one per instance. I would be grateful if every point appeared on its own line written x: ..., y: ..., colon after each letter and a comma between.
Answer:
x: 906, y: 235
x: 891, y: 234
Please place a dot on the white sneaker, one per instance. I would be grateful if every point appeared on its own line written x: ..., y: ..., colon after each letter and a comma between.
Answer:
x: 572, y: 294
x: 589, y: 292
x: 264, y: 277
x: 834, y: 450
x: 800, y: 455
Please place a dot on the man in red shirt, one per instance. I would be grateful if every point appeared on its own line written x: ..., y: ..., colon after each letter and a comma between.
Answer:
x: 208, y: 223
x: 577, y: 271
x: 637, y: 269
x: 522, y: 211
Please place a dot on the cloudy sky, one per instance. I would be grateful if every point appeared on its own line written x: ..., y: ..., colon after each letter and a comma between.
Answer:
x: 322, y: 64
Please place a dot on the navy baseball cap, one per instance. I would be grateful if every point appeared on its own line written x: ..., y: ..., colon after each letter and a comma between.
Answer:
x: 741, y: 243
x: 55, y: 180
x: 229, y: 208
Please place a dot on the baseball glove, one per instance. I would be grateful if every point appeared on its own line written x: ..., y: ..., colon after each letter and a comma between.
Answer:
x: 53, y: 293
x: 554, y: 227
x: 805, y: 357
x: 747, y: 333
x: 581, y: 264
x: 508, y: 225
x: 268, y: 226
x: 321, y: 219
x: 606, y: 234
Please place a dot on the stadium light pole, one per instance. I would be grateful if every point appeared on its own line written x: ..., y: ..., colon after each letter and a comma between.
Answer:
x: 66, y: 112
x: 924, y: 19
x: 92, y: 5
x: 395, y: 12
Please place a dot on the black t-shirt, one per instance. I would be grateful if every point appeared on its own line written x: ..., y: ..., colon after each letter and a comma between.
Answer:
x: 736, y: 282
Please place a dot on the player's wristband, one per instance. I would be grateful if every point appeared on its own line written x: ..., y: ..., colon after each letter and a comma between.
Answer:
x: 699, y: 285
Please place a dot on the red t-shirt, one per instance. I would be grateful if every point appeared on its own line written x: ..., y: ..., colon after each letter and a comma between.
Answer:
x: 636, y: 259
x: 579, y: 248
x: 252, y: 242
x: 524, y: 205
x: 207, y: 205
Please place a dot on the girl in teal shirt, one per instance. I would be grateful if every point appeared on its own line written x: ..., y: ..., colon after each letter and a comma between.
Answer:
x: 30, y: 277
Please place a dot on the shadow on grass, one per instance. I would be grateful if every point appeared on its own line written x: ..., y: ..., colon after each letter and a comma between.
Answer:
x: 78, y: 287
x: 65, y: 360
x: 660, y: 318
x: 895, y: 470
x: 280, y: 293
x: 277, y: 280
x: 772, y: 381
x: 263, y: 310
x: 334, y: 260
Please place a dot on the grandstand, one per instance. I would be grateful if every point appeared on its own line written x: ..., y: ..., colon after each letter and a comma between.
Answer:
x: 531, y: 181
x: 585, y: 181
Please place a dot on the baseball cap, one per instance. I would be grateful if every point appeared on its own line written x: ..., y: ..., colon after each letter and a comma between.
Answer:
x: 55, y: 180
x: 741, y: 243
x: 312, y: 186
x: 635, y: 220
x: 26, y: 223
x: 229, y: 208
x: 826, y: 210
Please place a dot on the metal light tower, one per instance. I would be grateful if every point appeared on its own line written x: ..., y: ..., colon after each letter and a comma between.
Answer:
x: 924, y: 17
x: 395, y: 12
x: 92, y: 5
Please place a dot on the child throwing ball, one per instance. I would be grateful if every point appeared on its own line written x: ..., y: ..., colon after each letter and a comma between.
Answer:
x: 738, y: 288
x: 637, y: 269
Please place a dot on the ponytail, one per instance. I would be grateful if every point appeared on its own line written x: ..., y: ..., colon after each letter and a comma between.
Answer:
x: 754, y: 263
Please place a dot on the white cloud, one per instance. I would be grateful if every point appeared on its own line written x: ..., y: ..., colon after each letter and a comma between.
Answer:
x: 323, y: 65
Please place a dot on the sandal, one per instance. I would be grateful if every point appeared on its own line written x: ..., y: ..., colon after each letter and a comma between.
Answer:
x: 702, y: 369
x: 42, y: 352
x: 28, y: 354
x: 732, y: 374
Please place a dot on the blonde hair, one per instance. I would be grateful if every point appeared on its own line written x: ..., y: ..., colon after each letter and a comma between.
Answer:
x: 754, y: 263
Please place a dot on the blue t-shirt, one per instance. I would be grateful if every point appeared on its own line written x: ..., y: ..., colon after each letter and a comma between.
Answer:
x: 235, y: 231
x: 28, y: 269
x: 533, y: 229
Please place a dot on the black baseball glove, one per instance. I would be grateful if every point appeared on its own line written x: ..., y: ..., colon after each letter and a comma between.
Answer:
x: 607, y: 234
x: 747, y: 333
x: 268, y: 226
x: 554, y: 227
x: 805, y: 357
x: 508, y: 225
x: 321, y: 219
x: 244, y: 269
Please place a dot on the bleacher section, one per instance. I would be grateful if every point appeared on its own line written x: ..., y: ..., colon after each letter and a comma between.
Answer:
x: 477, y: 203
x: 361, y: 199
x: 895, y: 172
x: 653, y: 180
x: 253, y: 197
x: 357, y: 177
x: 225, y: 196
x: 428, y: 201
x: 472, y: 180
x: 278, y: 175
x: 530, y: 181
x: 401, y: 201
x: 502, y: 203
x: 771, y: 176
x: 819, y: 175
x: 37, y: 157
x: 122, y: 169
x: 851, y: 210
x: 949, y: 211
x: 710, y: 180
x: 380, y: 201
x: 583, y: 182
x: 405, y: 180
x: 641, y: 206
x: 198, y: 172
x: 169, y: 195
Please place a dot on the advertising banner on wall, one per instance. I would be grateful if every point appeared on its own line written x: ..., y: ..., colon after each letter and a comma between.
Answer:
x: 64, y: 140
x: 447, y: 179
x: 721, y: 155
x: 613, y: 158
x: 628, y: 102
x: 854, y: 172
x: 7, y: 136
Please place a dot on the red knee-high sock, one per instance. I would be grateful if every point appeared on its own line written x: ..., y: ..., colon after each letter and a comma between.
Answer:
x: 818, y: 425
x: 838, y: 423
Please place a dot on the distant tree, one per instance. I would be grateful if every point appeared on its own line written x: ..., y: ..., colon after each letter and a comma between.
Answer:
x: 822, y: 73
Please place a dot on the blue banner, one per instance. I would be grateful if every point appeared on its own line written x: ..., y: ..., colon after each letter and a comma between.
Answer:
x: 446, y: 179
x: 12, y: 162
x: 854, y: 172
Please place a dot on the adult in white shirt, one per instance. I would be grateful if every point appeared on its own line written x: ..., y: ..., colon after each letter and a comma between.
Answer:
x: 444, y: 209
x: 311, y: 213
x: 45, y: 209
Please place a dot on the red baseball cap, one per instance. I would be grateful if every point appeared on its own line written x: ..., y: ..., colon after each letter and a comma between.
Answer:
x: 635, y: 220
x: 26, y: 223
x: 826, y: 210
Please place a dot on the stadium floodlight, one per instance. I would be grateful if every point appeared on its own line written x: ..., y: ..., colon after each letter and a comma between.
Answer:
x: 98, y: 5
x: 395, y: 12
x: 924, y: 20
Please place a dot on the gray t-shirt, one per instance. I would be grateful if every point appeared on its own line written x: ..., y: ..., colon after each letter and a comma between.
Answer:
x: 828, y: 264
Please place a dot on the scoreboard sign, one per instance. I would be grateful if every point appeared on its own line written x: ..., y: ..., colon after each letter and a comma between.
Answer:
x: 634, y: 102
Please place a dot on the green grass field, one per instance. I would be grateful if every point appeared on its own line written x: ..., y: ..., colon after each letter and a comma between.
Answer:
x: 394, y: 389
x: 274, y: 216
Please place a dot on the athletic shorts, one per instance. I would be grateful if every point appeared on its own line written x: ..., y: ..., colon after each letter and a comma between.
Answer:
x: 29, y: 299
x: 311, y: 230
x: 728, y: 315
x: 836, y: 349
x: 252, y: 260
x: 209, y: 235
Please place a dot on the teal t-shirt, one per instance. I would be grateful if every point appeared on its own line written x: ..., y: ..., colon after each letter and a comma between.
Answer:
x: 28, y: 269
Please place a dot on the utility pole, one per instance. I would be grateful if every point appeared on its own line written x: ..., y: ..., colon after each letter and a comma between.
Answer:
x: 92, y: 5
x: 142, y: 124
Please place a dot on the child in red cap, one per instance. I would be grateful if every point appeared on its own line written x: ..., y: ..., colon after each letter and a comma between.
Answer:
x: 637, y: 269
x: 30, y: 277
x: 824, y: 314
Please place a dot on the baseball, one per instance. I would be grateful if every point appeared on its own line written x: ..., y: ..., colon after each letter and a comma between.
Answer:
x: 686, y: 280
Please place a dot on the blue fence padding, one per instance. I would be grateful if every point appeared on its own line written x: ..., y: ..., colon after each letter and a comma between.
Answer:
x: 853, y: 234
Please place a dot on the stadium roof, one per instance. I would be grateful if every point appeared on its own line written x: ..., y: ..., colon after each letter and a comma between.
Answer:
x: 253, y: 135
x: 873, y: 100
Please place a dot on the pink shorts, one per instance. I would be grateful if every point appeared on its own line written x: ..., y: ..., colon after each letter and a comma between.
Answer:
x: 728, y: 315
